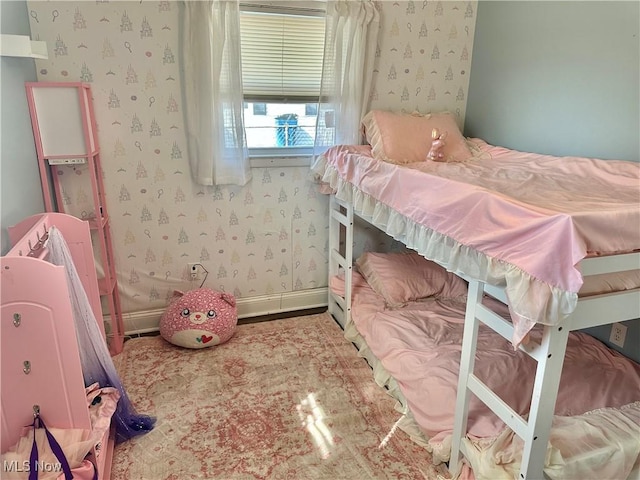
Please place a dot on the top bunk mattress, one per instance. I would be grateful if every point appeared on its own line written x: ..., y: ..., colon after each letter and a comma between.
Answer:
x: 519, y: 220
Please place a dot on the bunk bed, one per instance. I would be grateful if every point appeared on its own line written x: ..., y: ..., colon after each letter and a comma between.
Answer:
x: 526, y: 229
x: 414, y: 350
x: 42, y: 373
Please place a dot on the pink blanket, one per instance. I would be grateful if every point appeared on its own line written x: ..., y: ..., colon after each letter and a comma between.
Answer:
x: 420, y: 345
x: 521, y: 219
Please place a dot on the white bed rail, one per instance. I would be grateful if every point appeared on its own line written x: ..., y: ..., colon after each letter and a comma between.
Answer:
x: 340, y: 257
x: 549, y: 353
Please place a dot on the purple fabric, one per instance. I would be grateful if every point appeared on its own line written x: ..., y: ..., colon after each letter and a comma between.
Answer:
x: 97, y: 365
x: 55, y: 448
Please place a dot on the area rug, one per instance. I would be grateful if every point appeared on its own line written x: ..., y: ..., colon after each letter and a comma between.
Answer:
x: 283, y: 399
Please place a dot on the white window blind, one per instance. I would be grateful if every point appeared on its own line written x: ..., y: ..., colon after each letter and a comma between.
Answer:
x: 281, y: 55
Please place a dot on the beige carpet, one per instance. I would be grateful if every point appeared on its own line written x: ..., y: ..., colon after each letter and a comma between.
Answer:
x: 284, y: 399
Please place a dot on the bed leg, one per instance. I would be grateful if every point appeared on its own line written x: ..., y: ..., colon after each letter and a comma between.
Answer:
x: 348, y: 258
x: 543, y: 401
x: 341, y: 226
x: 467, y: 360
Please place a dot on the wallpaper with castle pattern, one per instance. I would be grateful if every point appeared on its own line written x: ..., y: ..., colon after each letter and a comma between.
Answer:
x: 268, y: 237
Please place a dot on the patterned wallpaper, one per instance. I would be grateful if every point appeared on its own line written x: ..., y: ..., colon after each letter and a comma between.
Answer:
x: 268, y: 237
x: 424, y: 56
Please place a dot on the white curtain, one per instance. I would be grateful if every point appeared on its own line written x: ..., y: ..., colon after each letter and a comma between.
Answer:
x: 349, y: 53
x: 212, y: 79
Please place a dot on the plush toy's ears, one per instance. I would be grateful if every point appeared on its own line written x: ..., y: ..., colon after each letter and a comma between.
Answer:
x: 230, y: 299
x: 176, y: 294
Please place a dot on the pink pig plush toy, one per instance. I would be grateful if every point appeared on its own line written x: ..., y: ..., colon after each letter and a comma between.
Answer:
x: 199, y: 318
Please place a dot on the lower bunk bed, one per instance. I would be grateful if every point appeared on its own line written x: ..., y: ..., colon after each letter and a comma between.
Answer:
x: 528, y: 230
x: 411, y: 334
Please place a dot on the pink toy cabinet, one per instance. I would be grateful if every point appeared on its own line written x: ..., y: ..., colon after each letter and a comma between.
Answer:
x: 40, y: 365
x: 66, y: 137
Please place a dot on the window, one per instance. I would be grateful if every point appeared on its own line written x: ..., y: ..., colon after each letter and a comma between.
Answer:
x: 258, y: 108
x: 311, y: 109
x: 282, y: 50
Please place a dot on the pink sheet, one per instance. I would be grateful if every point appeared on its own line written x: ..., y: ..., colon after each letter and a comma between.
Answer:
x: 420, y: 345
x: 537, y: 213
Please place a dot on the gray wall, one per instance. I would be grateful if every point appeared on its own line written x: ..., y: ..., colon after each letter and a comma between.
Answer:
x: 561, y: 78
x: 20, y: 190
x: 557, y: 77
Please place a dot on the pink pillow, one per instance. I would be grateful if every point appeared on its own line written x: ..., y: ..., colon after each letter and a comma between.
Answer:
x: 406, y: 138
x: 610, y: 282
x: 406, y: 277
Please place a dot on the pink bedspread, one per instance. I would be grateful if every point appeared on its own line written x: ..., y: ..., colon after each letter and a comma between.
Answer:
x: 420, y: 346
x: 537, y: 213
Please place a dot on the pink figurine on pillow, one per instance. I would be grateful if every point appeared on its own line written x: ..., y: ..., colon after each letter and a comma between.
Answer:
x: 199, y: 318
x: 437, y: 145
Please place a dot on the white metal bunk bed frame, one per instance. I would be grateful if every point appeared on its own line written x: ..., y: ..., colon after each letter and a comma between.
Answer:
x: 549, y: 354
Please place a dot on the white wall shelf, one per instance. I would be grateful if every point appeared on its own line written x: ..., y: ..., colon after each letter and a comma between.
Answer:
x: 22, y: 46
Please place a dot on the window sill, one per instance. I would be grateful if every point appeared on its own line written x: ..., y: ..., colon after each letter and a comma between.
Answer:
x: 280, y: 161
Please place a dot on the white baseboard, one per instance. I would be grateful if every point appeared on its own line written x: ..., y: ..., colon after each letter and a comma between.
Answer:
x: 148, y: 320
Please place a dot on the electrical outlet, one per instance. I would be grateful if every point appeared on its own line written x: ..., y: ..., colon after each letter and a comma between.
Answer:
x: 194, y: 270
x: 618, y: 334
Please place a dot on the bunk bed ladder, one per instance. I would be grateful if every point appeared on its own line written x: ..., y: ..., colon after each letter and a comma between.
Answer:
x: 550, y: 357
x: 340, y: 257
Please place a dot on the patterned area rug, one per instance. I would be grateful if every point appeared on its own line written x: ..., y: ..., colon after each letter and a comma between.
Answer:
x: 284, y: 399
